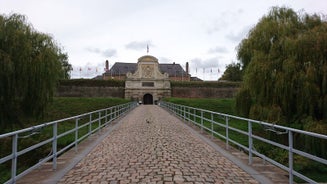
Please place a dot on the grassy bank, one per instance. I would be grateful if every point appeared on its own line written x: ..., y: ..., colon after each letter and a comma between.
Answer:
x: 302, y: 165
x: 60, y: 108
x: 69, y: 106
x: 63, y: 107
x: 218, y: 105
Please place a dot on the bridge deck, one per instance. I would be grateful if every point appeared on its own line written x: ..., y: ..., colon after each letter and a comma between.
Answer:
x: 151, y: 146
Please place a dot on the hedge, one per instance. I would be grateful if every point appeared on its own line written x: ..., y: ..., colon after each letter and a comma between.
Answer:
x: 92, y: 82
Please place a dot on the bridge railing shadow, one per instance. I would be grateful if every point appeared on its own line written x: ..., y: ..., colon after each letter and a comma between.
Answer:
x: 54, y: 137
x: 281, y: 146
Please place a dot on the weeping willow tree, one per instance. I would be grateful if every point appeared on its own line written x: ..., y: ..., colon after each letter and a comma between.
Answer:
x: 285, y: 61
x: 31, y: 63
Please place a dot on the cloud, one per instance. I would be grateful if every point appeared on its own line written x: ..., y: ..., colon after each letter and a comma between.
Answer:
x: 105, y: 53
x: 218, y: 49
x: 138, y: 45
x: 238, y: 36
x: 217, y: 25
x: 164, y: 60
x: 224, y: 20
x: 109, y: 52
x: 205, y: 63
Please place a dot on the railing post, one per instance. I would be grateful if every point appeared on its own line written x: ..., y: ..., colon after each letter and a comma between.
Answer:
x: 76, y: 134
x: 184, y: 113
x: 99, y: 121
x: 201, y: 121
x: 189, y: 114
x: 175, y: 110
x: 115, y: 112
x: 54, y: 146
x: 90, y: 124
x: 290, y: 156
x: 250, y: 141
x: 211, y: 125
x: 180, y: 111
x: 227, y: 134
x: 14, y: 159
x: 111, y: 114
x: 194, y: 115
x: 106, y: 119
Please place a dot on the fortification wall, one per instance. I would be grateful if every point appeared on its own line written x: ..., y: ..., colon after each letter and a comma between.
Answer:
x: 118, y: 92
x: 204, y: 92
x: 90, y: 91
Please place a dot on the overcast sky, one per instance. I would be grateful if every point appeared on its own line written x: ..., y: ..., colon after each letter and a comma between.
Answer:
x: 204, y: 33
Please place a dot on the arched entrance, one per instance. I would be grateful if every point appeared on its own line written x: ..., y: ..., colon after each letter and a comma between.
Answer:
x: 147, y: 99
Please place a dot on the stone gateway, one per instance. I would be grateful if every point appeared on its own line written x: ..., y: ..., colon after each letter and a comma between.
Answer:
x: 147, y: 84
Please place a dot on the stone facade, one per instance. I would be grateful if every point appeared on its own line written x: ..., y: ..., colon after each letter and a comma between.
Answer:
x: 119, y: 71
x: 147, y: 84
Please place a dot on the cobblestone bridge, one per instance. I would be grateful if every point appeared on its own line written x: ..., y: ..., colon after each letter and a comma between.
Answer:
x: 149, y: 145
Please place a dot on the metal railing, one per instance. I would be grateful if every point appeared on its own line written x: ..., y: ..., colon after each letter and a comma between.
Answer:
x: 247, y: 134
x: 56, y: 136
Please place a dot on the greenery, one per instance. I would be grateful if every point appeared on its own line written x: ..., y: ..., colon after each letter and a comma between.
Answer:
x: 92, y: 82
x: 285, y: 63
x: 305, y: 166
x: 216, y: 105
x: 31, y: 65
x: 209, y: 84
x: 233, y: 72
x: 60, y: 108
x: 63, y: 107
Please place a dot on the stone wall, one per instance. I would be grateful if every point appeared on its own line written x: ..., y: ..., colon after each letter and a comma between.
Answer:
x: 203, y: 92
x: 118, y: 92
x: 94, y: 91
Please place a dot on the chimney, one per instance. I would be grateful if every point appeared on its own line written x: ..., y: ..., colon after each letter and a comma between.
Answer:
x: 107, y: 65
x: 187, y: 69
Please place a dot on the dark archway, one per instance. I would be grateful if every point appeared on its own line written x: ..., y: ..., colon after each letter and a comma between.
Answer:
x: 147, y: 99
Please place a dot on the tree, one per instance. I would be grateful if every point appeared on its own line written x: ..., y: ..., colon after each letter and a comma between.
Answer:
x: 285, y: 67
x: 233, y: 72
x: 31, y: 63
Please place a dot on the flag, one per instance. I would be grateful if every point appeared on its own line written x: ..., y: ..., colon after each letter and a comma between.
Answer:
x: 147, y: 48
x: 89, y: 68
x: 218, y: 70
x: 211, y: 70
x: 80, y: 69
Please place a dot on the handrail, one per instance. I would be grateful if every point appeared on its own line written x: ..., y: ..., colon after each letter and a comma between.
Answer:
x: 197, y: 117
x: 92, y: 121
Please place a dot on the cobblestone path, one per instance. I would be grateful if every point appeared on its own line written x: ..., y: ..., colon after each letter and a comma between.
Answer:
x: 152, y: 146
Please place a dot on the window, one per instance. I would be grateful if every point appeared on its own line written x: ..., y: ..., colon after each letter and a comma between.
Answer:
x: 147, y: 84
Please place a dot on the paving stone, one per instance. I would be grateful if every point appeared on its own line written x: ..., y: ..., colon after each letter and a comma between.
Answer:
x: 163, y: 151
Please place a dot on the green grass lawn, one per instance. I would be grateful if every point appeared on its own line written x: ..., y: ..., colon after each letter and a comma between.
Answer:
x: 223, y: 105
x: 311, y: 169
x: 60, y: 108
x: 63, y: 107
